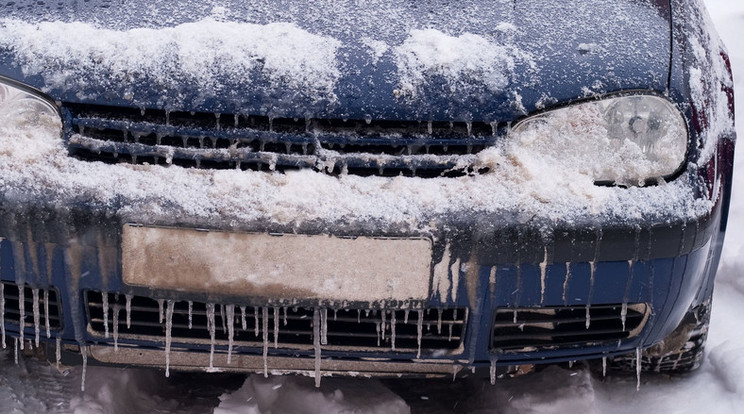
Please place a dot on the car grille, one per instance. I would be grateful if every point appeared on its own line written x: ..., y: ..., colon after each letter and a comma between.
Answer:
x: 442, y: 329
x: 231, y: 141
x: 526, y: 329
x: 47, y: 304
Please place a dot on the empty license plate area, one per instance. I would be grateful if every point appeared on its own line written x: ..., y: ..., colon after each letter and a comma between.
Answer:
x: 286, y: 266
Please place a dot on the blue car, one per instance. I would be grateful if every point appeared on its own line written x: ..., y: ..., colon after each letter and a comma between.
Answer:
x: 385, y: 188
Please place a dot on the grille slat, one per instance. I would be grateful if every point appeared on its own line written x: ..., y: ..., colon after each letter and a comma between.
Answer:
x: 201, y: 140
x: 347, y: 329
x: 550, y: 327
x: 12, y: 312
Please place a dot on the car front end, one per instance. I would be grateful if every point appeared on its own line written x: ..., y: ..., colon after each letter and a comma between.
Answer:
x: 376, y: 191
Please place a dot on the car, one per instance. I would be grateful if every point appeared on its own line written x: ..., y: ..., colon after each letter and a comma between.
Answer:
x: 371, y: 189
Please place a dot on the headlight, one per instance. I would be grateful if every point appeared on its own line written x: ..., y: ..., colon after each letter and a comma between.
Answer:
x: 24, y: 110
x: 625, y: 140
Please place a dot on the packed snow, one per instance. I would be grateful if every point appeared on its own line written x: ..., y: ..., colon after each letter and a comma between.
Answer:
x: 31, y: 386
x: 463, y: 61
x: 203, y: 54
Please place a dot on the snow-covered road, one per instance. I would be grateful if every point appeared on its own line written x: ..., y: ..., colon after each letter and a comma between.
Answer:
x: 718, y: 386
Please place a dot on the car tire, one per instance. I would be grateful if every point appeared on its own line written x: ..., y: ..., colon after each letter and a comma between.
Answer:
x: 681, y: 351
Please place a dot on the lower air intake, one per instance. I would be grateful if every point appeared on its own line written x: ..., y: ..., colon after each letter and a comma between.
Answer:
x: 352, y: 329
x: 527, y: 329
x: 40, y: 306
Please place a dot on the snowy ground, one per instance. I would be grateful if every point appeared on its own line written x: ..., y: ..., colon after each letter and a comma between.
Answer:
x: 32, y: 387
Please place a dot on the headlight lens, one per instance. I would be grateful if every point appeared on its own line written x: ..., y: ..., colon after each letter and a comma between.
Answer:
x: 24, y: 110
x: 626, y: 140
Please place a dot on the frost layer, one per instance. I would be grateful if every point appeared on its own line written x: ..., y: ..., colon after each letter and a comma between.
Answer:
x: 209, y: 54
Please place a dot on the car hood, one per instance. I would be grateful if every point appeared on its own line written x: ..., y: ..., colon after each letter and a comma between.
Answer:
x: 417, y: 60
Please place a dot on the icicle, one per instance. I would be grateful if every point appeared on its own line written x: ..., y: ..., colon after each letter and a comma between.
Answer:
x: 243, y: 322
x: 570, y: 364
x: 191, y: 315
x: 565, y: 283
x: 439, y: 321
x: 316, y: 345
x: 392, y: 329
x: 117, y: 309
x: 129, y: 311
x: 230, y: 310
x: 168, y: 329
x: 515, y: 316
x: 405, y: 317
x: 284, y: 312
x: 37, y: 315
x: 105, y: 303
x: 543, y: 271
x: 222, y: 318
x: 449, y: 338
x: 638, y: 368
x: 419, y: 332
x: 58, y: 350
x: 255, y: 320
x: 469, y: 126
x: 492, y: 371
x: 276, y: 327
x: 359, y: 316
x: 47, y: 325
x: 335, y: 314
x: 604, y: 367
x: 592, y: 267
x: 2, y: 311
x: 383, y: 323
x: 377, y: 330
x: 324, y: 326
x: 429, y: 127
x: 211, y: 329
x: 16, y: 349
x: 84, y: 353
x: 161, y: 313
x: 265, y: 327
x: 22, y: 311
x: 624, y: 309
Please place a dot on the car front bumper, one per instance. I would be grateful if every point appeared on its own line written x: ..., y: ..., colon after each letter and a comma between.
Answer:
x: 586, y: 282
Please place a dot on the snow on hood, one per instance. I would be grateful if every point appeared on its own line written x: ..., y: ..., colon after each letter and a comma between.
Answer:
x: 468, y: 60
x: 206, y: 54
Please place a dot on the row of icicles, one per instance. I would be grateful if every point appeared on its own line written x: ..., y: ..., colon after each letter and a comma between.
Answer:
x: 166, y: 307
